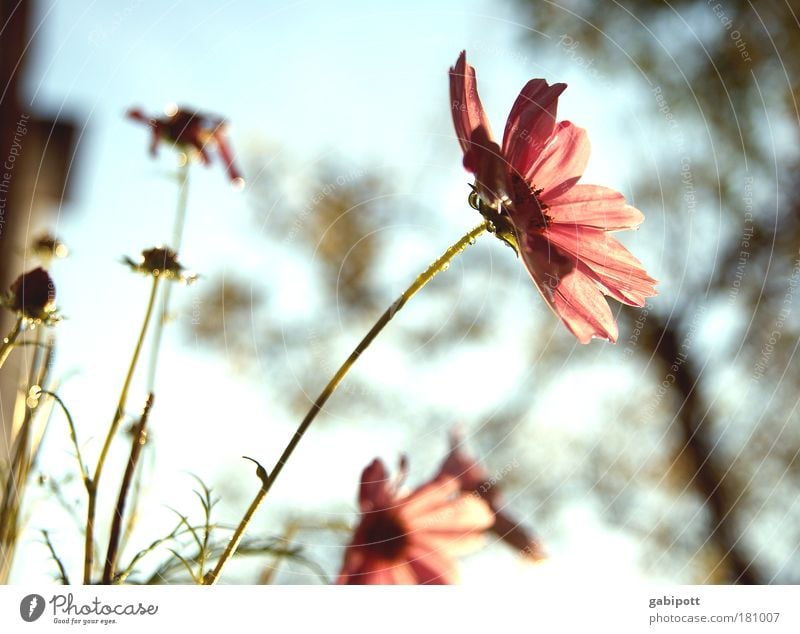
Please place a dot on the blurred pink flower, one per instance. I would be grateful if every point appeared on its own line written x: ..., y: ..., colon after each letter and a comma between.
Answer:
x: 412, y: 538
x: 473, y: 478
x: 191, y: 130
x: 528, y: 190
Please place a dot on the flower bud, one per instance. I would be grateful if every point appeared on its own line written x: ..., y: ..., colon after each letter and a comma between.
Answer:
x: 33, y: 295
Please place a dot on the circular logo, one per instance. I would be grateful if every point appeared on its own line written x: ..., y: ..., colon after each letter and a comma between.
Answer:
x: 31, y: 607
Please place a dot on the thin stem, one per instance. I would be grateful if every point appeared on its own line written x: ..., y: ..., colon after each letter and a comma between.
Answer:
x: 73, y: 435
x: 440, y: 264
x: 270, y: 572
x: 118, y: 414
x: 8, y: 343
x: 181, y: 207
x: 62, y: 573
x: 136, y: 494
x: 177, y: 240
x: 24, y: 456
x: 119, y: 512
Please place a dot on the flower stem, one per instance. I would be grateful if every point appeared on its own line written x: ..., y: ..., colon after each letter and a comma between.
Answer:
x: 440, y: 264
x: 182, y: 206
x: 8, y: 343
x: 24, y: 455
x: 139, y: 436
x: 118, y: 414
x: 177, y: 240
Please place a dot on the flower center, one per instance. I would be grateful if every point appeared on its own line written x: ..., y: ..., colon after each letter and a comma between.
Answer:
x: 385, y: 534
x: 527, y: 203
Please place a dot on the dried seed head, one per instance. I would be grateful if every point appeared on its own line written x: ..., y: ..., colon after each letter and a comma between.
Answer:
x: 33, y: 296
x: 161, y: 262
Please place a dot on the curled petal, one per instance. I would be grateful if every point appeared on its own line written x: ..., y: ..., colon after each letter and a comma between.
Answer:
x: 531, y: 123
x: 374, y: 491
x: 485, y: 160
x: 468, y: 113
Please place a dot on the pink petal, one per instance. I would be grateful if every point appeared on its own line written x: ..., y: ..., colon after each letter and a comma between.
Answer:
x: 605, y: 260
x: 429, y: 497
x: 205, y: 159
x: 400, y: 574
x: 377, y: 572
x: 452, y: 544
x: 352, y: 564
x: 459, y: 464
x: 584, y: 310
x: 226, y: 154
x: 466, y: 513
x: 378, y: 577
x: 562, y: 161
x: 593, y: 206
x: 431, y: 567
x: 530, y: 123
x: 516, y: 536
x: 482, y: 155
x: 155, y: 139
x: 374, y: 491
x: 490, y: 167
x: 468, y: 113
x: 544, y: 260
x: 573, y: 296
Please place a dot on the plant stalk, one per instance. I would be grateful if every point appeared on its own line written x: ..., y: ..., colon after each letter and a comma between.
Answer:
x: 439, y: 265
x: 8, y: 342
x: 118, y: 415
x: 177, y: 239
x: 139, y: 437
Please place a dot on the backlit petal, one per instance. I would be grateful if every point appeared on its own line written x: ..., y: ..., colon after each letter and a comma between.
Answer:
x: 374, y: 490
x: 593, y: 206
x: 431, y: 567
x: 561, y: 162
x: 606, y: 260
x: 531, y: 123
x: 573, y: 296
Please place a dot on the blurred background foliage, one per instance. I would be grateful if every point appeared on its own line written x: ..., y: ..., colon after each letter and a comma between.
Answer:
x: 679, y: 444
x: 714, y: 493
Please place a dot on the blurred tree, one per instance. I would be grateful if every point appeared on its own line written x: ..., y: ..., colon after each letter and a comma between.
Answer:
x: 722, y: 77
x: 695, y: 455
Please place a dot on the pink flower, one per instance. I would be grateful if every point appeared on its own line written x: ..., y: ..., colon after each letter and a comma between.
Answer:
x: 528, y: 189
x: 413, y: 538
x: 191, y: 131
x: 473, y: 478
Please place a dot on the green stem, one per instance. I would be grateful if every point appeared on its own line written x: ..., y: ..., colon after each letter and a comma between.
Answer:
x: 73, y: 434
x: 8, y: 343
x: 177, y: 240
x: 440, y: 264
x: 118, y: 415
